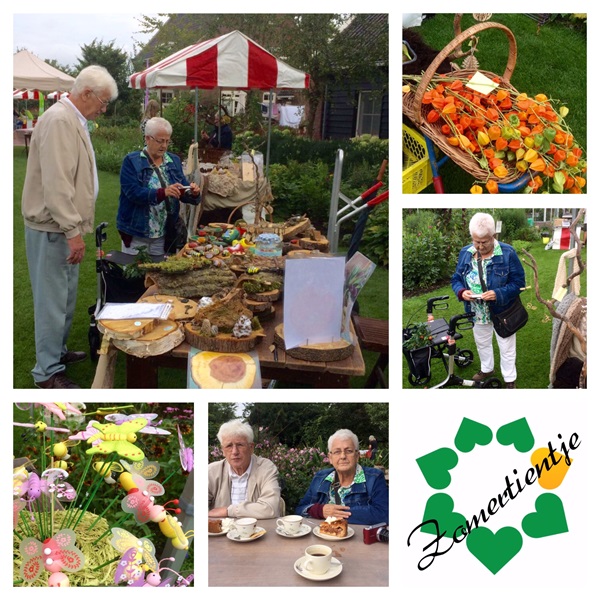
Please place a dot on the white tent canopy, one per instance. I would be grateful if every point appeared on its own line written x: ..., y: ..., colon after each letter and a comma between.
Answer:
x: 29, y: 71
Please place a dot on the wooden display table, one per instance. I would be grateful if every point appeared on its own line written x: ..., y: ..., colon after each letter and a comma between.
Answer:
x: 277, y: 365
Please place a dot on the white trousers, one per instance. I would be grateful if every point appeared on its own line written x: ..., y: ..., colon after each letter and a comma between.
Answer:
x: 483, y: 334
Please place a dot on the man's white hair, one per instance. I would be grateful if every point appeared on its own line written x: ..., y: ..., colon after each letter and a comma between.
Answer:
x: 235, y: 428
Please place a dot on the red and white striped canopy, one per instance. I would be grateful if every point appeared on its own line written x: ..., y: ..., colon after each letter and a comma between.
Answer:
x: 57, y: 95
x: 27, y: 95
x: 230, y: 61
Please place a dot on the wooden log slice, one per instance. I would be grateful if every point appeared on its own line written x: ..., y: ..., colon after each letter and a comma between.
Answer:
x: 310, y: 244
x: 323, y: 352
x: 292, y: 231
x: 298, y: 253
x: 223, y: 342
x: 258, y: 306
x: 183, y: 308
x: 126, y: 329
x: 213, y: 370
x: 271, y: 296
x: 163, y: 338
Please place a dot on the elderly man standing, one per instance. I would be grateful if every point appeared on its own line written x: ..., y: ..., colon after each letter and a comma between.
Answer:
x: 242, y: 485
x: 58, y: 203
x: 348, y: 490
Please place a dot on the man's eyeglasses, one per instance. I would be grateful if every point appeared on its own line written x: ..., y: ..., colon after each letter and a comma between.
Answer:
x: 161, y: 142
x: 346, y: 452
x: 104, y: 103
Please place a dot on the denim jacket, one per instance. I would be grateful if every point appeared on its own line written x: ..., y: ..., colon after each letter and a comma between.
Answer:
x: 369, y: 502
x: 133, y: 216
x: 505, y: 276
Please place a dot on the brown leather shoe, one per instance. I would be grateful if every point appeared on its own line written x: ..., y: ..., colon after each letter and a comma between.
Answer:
x: 72, y: 356
x: 481, y: 376
x: 511, y: 385
x: 57, y: 381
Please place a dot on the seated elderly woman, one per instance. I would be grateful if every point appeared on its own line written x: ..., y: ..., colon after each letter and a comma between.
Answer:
x: 348, y: 490
x: 242, y: 485
x: 152, y: 185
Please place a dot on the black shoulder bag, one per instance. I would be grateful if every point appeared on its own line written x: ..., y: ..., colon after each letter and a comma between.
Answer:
x: 509, y: 321
x: 175, y: 227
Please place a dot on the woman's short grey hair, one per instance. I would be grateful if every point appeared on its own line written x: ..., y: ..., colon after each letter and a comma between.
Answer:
x: 482, y: 225
x: 235, y: 428
x: 97, y: 79
x: 343, y: 434
x: 157, y: 125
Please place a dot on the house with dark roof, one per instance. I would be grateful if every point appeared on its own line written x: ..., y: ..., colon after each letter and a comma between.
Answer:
x: 360, y: 106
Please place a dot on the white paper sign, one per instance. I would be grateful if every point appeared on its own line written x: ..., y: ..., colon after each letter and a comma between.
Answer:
x: 134, y: 310
x: 482, y: 84
x: 313, y: 296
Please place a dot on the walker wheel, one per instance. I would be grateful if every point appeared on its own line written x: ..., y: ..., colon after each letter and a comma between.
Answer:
x: 463, y: 358
x: 493, y: 382
x: 416, y: 382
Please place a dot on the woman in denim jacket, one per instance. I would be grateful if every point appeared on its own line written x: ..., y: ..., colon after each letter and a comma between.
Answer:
x: 504, y: 278
x: 152, y: 185
x: 348, y: 490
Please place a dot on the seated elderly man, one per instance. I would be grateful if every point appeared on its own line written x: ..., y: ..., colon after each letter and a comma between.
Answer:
x: 348, y: 490
x: 242, y: 485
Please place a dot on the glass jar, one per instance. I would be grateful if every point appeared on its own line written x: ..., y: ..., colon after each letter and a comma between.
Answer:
x: 268, y: 244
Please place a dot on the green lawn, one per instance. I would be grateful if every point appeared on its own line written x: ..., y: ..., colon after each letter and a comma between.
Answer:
x: 373, y: 298
x: 533, y: 341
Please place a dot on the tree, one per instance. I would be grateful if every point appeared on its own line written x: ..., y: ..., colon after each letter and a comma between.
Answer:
x: 64, y: 68
x: 218, y: 413
x: 311, y: 42
x: 119, y: 65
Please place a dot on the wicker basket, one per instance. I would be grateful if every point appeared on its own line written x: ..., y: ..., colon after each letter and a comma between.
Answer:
x: 416, y: 111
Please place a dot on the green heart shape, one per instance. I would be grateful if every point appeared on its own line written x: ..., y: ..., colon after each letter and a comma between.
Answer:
x: 470, y: 433
x: 439, y: 508
x: 548, y: 519
x: 494, y: 550
x: 516, y: 433
x: 435, y: 467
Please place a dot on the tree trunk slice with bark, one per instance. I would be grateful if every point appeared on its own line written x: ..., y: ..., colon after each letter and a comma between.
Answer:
x: 162, y: 339
x: 322, y: 352
x: 126, y: 329
x: 222, y: 342
x: 310, y: 244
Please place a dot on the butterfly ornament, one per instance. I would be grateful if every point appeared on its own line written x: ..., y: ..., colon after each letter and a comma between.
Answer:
x: 186, y: 455
x: 54, y: 555
x: 119, y: 419
x: 108, y: 470
x: 137, y: 555
x: 117, y: 438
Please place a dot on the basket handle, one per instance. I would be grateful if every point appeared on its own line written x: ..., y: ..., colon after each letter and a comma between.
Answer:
x: 456, y: 43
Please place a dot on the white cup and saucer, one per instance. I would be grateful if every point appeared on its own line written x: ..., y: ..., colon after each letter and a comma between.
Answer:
x: 318, y: 563
x: 292, y: 526
x: 245, y: 530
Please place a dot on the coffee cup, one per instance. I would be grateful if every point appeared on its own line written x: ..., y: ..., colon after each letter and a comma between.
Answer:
x: 245, y: 526
x: 290, y: 524
x: 318, y: 559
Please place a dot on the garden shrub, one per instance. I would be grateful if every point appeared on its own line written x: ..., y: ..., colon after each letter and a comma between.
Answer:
x: 529, y: 234
x: 520, y: 245
x: 423, y: 261
x: 513, y: 220
x: 375, y: 242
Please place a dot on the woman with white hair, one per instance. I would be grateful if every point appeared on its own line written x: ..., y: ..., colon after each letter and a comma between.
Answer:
x: 503, y: 278
x: 152, y: 186
x: 346, y: 490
